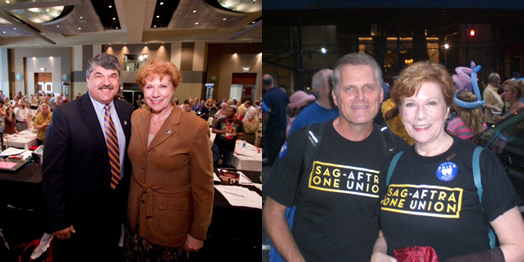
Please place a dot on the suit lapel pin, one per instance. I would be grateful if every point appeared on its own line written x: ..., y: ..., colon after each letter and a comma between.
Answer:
x: 168, y: 131
x: 125, y: 123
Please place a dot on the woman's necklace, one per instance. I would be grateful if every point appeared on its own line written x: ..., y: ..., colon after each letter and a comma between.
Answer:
x: 158, y: 121
x: 161, y: 120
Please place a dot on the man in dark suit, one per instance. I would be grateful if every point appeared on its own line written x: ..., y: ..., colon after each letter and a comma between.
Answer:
x: 85, y: 204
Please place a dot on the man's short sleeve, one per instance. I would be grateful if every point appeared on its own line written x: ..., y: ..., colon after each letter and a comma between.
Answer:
x: 282, y: 181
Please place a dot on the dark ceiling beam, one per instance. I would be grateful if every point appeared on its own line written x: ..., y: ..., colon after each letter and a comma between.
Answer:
x: 15, y: 21
x: 246, y: 30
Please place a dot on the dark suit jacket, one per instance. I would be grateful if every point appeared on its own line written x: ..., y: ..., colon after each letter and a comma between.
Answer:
x: 76, y: 171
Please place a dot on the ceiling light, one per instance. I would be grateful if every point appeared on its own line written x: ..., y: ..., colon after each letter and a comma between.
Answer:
x: 196, y: 23
x: 4, y: 32
x: 161, y: 3
x: 224, y: 19
x: 47, y: 9
x: 323, y: 50
x: 14, y: 28
x: 57, y: 26
x: 81, y: 17
x: 80, y: 28
x: 110, y: 6
x: 194, y: 11
x: 7, y: 1
x: 247, y: 6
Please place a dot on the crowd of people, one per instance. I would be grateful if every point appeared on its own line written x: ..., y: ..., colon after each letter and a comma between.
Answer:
x: 24, y: 112
x: 111, y: 167
x: 347, y: 187
x: 110, y: 164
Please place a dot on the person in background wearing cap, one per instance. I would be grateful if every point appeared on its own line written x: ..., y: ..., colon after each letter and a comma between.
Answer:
x: 297, y: 101
x: 515, y: 76
x: 324, y: 109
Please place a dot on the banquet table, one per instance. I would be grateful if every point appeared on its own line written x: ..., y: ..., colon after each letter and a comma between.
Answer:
x: 234, y: 233
x: 245, y: 158
x: 248, y: 157
x: 24, y: 139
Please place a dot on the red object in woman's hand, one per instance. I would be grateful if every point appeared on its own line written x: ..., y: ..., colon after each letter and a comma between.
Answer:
x: 416, y: 254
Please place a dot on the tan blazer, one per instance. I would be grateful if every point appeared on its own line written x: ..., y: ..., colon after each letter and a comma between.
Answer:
x: 172, y: 183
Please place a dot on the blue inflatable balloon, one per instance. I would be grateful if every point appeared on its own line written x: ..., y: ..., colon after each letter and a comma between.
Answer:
x: 461, y: 85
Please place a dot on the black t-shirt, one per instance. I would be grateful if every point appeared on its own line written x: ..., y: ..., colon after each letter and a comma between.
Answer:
x: 336, y: 217
x: 433, y: 201
x: 222, y: 140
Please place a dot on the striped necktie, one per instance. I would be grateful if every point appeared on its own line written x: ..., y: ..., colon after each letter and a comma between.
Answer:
x: 112, y: 147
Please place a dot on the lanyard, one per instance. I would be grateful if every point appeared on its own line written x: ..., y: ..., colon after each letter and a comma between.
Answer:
x: 229, y: 125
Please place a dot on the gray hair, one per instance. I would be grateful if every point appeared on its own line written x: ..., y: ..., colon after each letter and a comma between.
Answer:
x: 267, y: 80
x: 493, y: 76
x: 356, y: 59
x: 104, y: 60
x: 320, y: 78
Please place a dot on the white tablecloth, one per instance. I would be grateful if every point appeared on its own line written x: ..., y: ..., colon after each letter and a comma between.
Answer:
x: 248, y: 157
x: 24, y: 139
x: 245, y: 158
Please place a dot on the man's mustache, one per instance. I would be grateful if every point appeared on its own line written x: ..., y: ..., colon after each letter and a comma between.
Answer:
x: 110, y: 87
